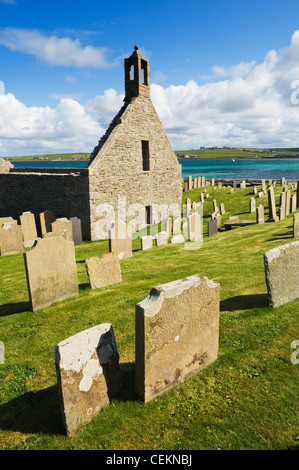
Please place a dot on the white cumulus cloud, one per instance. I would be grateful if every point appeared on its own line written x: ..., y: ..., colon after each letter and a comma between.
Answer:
x: 53, y: 50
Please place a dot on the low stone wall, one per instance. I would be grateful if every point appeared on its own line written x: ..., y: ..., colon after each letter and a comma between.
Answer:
x: 67, y: 194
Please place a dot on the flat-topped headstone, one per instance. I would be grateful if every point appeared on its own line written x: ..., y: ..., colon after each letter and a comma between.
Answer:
x: 87, y: 368
x: 146, y: 242
x: 29, y: 231
x: 46, y: 218
x: 51, y: 271
x: 281, y: 272
x: 177, y: 334
x: 161, y: 238
x: 11, y: 239
x: 77, y: 230
x: 103, y: 270
x: 120, y: 240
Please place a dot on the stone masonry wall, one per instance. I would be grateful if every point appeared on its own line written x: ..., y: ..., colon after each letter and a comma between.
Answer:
x: 65, y: 194
x: 117, y: 169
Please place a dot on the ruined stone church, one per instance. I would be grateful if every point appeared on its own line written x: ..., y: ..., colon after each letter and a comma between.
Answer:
x: 133, y: 162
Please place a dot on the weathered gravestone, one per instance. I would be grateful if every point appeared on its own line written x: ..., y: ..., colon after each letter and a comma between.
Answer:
x: 260, y: 218
x: 146, y: 242
x: 46, y: 218
x: 63, y: 226
x: 178, y: 239
x: 161, y: 238
x: 296, y: 225
x: 28, y: 225
x: 281, y: 272
x: 77, y: 230
x: 177, y: 221
x: 120, y: 240
x: 5, y: 220
x: 11, y: 239
x: 51, y: 271
x: 272, y: 206
x: 103, y: 270
x: 293, y: 202
x: 252, y: 205
x: 177, y: 334
x: 87, y: 368
x: 194, y: 227
x: 212, y: 227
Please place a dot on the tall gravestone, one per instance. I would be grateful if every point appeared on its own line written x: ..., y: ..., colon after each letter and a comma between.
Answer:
x: 76, y: 230
x: 272, y: 206
x: 87, y: 368
x: 260, y: 218
x: 46, y: 218
x: 212, y: 227
x: 176, y: 334
x: 281, y: 272
x: 28, y: 225
x: 51, y: 271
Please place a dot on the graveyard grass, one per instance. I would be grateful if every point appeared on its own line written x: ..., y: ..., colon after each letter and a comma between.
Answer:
x: 247, y: 399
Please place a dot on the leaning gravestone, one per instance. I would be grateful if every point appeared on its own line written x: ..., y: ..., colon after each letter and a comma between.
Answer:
x: 177, y: 334
x: 11, y: 239
x: 87, y: 368
x: 28, y: 225
x: 46, y: 218
x: 103, y: 271
x: 282, y: 271
x: 120, y: 240
x: 77, y: 230
x: 51, y: 271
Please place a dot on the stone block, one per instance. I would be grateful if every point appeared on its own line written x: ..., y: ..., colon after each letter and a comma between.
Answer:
x: 103, y: 270
x: 177, y: 334
x: 51, y: 271
x: 178, y: 239
x: 161, y: 238
x: 87, y: 367
x: 281, y: 272
x: 146, y: 242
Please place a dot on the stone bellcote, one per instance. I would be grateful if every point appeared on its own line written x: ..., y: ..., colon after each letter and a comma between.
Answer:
x: 137, y: 78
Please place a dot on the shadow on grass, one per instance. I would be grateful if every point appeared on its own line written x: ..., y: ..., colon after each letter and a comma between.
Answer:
x: 11, y: 309
x: 33, y: 412
x: 244, y: 302
x: 40, y: 412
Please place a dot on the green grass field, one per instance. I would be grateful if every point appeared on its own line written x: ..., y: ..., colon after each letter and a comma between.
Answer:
x: 247, y: 399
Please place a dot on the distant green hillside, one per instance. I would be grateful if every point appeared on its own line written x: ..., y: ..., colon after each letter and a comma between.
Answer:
x: 213, y: 152
x: 229, y: 152
x: 58, y: 156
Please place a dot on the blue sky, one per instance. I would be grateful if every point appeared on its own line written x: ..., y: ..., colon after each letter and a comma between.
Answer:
x: 222, y: 72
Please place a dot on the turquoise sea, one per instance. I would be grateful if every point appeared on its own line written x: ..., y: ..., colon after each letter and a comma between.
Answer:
x: 227, y: 169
